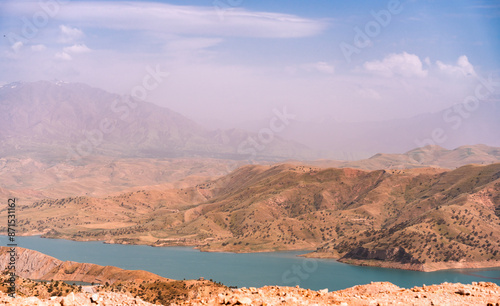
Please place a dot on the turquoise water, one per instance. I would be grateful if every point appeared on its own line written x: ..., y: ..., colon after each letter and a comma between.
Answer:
x: 243, y: 270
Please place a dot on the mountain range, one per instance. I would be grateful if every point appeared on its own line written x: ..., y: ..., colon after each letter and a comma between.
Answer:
x: 57, y: 121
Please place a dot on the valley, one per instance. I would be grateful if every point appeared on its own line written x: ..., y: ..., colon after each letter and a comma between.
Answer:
x: 421, y: 219
x: 249, y: 153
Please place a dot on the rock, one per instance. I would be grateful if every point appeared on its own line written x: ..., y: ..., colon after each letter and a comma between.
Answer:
x: 290, y: 300
x: 245, y: 301
x: 463, y: 292
x: 323, y: 291
x: 68, y: 300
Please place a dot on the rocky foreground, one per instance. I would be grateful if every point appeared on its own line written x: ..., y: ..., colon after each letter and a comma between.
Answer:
x: 481, y: 293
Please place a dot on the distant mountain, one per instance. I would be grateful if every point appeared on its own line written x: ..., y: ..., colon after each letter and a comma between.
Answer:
x: 429, y: 156
x: 57, y: 120
x: 449, y: 128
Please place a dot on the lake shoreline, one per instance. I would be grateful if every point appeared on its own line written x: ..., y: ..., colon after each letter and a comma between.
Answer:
x: 260, y: 268
x: 426, y: 267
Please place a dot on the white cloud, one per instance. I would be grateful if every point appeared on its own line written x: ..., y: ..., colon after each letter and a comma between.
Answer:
x: 175, y: 19
x: 38, y: 48
x: 404, y: 64
x: 69, y: 34
x: 63, y: 56
x: 192, y: 44
x: 17, y: 46
x: 463, y: 67
x: 77, y: 48
x: 321, y: 67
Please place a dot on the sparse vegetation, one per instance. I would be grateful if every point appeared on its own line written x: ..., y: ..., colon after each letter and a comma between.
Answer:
x: 433, y: 214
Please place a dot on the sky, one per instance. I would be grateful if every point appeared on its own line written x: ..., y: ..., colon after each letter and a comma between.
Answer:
x: 225, y: 62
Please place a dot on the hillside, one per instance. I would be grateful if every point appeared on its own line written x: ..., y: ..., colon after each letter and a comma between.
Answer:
x: 119, y: 286
x: 32, y: 179
x: 416, y: 219
x: 35, y: 265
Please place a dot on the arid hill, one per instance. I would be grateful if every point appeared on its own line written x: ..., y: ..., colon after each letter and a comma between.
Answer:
x: 31, y: 179
x: 119, y: 286
x: 35, y: 265
x: 423, y: 219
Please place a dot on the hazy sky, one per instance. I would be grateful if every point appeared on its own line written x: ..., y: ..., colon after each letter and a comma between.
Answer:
x: 236, y: 60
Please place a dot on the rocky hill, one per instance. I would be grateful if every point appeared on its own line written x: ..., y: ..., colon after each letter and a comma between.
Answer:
x: 423, y: 218
x: 35, y: 265
x: 363, y: 295
x: 132, y: 292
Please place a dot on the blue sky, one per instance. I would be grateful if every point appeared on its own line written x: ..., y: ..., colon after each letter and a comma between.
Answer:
x: 235, y: 60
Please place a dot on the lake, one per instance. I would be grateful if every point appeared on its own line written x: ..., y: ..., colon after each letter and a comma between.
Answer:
x: 244, y: 270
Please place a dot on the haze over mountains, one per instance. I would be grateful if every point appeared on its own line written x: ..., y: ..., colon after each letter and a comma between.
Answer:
x: 450, y: 128
x: 434, y: 156
x: 57, y: 121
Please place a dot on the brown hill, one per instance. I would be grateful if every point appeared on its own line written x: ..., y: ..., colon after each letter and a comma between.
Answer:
x: 35, y: 265
x: 33, y: 179
x: 117, y: 286
x: 417, y: 218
